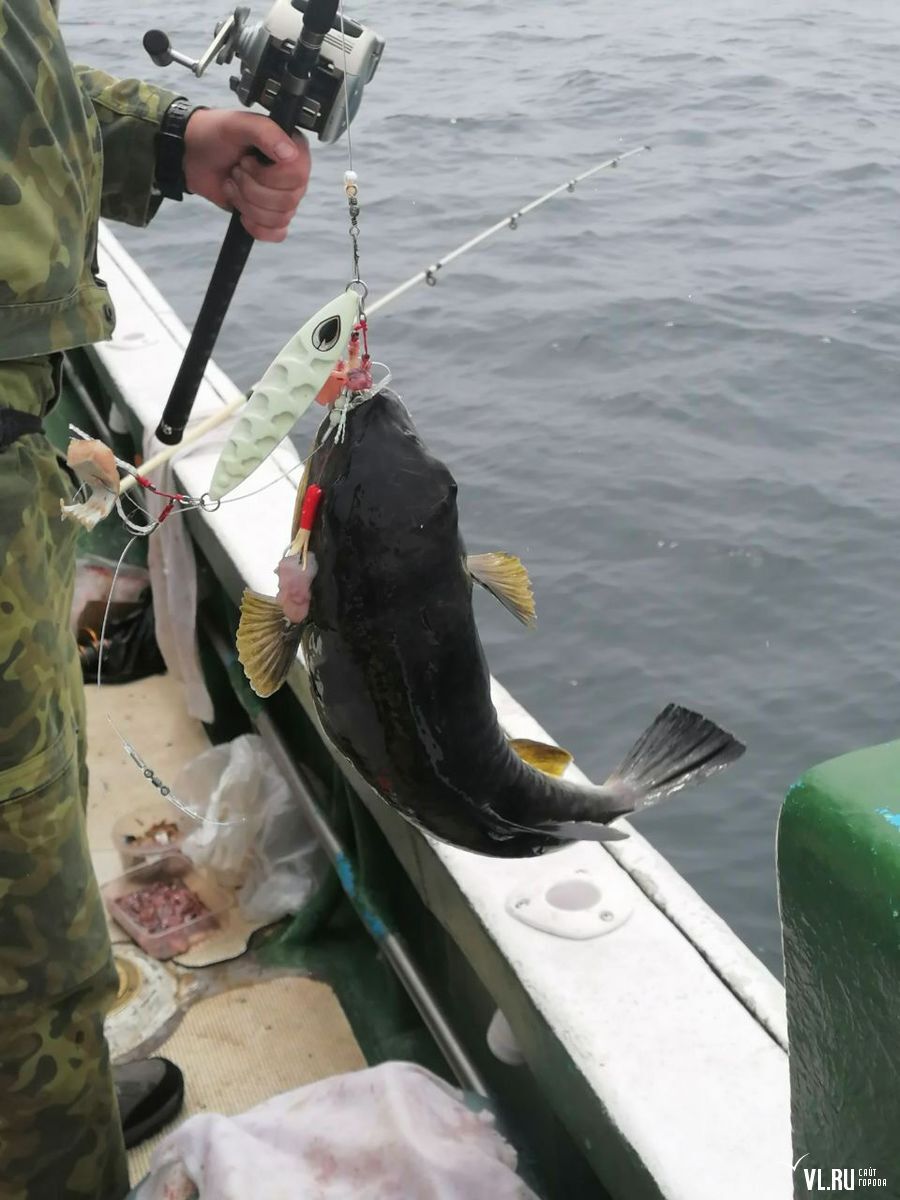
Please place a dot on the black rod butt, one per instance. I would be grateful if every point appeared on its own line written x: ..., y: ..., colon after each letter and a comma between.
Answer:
x: 169, y: 435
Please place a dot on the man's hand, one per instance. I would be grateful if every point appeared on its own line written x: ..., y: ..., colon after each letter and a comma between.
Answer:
x: 218, y: 165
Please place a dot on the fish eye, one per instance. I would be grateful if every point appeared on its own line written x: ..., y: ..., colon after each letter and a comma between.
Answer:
x: 326, y: 333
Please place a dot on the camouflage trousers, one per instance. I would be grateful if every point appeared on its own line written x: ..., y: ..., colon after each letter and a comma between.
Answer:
x: 60, y: 1137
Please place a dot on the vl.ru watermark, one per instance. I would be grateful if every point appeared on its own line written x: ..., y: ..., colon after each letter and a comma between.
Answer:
x: 840, y: 1179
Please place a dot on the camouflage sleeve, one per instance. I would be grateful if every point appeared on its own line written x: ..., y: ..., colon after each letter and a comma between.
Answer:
x: 130, y: 113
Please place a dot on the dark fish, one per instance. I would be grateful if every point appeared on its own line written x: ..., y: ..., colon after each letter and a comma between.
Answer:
x: 398, y: 672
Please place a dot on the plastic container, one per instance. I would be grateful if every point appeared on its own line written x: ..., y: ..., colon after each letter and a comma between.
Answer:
x: 150, y: 832
x: 168, y: 871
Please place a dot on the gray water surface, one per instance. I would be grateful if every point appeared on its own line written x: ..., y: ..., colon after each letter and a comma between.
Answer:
x: 673, y: 394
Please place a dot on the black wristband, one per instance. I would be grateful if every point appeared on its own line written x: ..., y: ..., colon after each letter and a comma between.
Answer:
x: 170, y: 148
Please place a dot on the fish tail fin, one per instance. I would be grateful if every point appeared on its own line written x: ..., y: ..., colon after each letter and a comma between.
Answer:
x: 266, y: 642
x: 680, y: 747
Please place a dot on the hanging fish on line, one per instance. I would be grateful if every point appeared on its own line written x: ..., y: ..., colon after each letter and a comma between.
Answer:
x: 383, y: 612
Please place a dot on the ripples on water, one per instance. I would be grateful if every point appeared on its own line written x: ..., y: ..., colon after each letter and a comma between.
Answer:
x: 674, y: 393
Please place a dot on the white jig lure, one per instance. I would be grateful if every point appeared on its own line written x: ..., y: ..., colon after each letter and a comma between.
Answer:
x: 286, y: 391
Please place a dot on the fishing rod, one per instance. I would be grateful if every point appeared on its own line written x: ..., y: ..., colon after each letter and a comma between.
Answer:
x: 428, y: 276
x: 309, y: 71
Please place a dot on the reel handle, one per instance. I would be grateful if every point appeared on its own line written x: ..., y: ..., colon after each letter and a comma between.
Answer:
x: 158, y: 46
x: 238, y: 243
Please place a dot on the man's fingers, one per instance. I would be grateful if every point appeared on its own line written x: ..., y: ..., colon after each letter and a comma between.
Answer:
x: 245, y: 130
x: 280, y: 176
x: 261, y: 233
x: 262, y: 197
x: 263, y: 223
x: 259, y: 131
x: 263, y: 218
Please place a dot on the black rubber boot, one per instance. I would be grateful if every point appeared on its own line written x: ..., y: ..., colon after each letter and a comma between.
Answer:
x: 150, y: 1093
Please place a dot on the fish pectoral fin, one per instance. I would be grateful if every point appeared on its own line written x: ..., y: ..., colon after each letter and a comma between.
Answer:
x: 266, y: 642
x: 505, y: 578
x: 552, y: 760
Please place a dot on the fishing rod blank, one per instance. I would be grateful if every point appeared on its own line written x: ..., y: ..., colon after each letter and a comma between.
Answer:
x: 429, y: 275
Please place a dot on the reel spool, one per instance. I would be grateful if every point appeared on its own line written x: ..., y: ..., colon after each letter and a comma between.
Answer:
x: 263, y: 49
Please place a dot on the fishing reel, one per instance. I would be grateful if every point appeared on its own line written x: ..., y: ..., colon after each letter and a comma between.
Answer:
x: 263, y: 49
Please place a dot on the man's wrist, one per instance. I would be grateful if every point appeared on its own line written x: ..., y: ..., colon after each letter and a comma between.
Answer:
x: 170, y: 180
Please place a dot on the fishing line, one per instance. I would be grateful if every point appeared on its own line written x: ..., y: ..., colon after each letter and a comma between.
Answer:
x: 265, y: 487
x: 146, y: 770
x: 346, y: 90
x: 185, y: 504
x: 351, y: 188
x: 188, y: 504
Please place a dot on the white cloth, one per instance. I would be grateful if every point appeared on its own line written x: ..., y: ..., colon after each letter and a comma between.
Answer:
x: 173, y: 577
x: 392, y: 1132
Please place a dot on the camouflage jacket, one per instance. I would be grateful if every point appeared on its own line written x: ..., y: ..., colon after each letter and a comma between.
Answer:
x: 75, y: 144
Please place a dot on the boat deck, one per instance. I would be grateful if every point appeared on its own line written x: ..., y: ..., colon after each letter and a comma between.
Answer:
x: 240, y: 1031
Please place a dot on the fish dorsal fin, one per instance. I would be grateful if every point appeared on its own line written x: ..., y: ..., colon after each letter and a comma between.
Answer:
x: 266, y: 643
x: 552, y: 760
x: 505, y: 578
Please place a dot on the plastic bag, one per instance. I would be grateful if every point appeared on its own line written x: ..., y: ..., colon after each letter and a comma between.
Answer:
x: 267, y: 849
x: 394, y: 1130
x: 173, y: 572
x: 170, y: 1182
x: 93, y: 579
x: 129, y: 645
